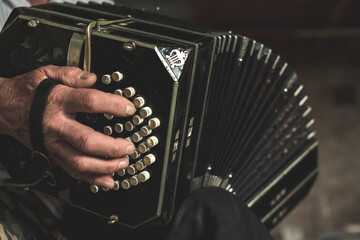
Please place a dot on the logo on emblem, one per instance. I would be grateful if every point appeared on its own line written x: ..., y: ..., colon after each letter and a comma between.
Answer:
x: 176, y: 58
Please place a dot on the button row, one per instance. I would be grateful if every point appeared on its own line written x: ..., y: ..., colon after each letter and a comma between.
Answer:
x: 135, y: 180
x: 140, y: 164
x: 129, y: 92
x: 126, y: 183
x: 145, y: 130
x: 116, y: 76
x: 130, y: 126
x: 137, y: 120
x: 149, y: 143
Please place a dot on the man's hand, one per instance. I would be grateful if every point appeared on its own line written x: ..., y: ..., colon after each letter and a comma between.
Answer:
x: 76, y: 148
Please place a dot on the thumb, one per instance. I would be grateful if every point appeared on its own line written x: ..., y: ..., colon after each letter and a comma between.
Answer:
x: 70, y: 76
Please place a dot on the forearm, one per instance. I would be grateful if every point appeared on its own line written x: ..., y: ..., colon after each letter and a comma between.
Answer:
x: 14, y: 109
x: 4, y: 126
x: 76, y: 148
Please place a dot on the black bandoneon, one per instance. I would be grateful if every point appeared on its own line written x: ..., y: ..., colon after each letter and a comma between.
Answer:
x: 214, y: 109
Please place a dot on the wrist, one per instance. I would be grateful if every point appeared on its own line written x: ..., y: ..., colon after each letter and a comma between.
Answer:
x: 14, y: 110
x: 4, y: 125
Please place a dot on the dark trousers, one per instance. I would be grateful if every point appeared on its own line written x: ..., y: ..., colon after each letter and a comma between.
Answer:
x: 214, y: 214
x: 207, y: 214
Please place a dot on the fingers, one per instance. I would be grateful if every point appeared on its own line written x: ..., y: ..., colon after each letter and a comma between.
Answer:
x: 104, y: 181
x: 70, y: 76
x: 95, y: 101
x: 84, y: 167
x: 89, y: 141
x: 87, y: 100
x: 77, y: 148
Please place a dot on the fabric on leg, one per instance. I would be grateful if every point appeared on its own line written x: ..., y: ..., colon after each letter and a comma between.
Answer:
x: 24, y: 216
x: 213, y: 213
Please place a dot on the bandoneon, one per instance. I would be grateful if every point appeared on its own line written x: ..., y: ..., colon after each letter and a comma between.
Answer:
x: 214, y: 109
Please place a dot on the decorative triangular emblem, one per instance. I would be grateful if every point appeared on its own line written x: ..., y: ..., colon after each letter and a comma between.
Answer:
x: 173, y: 59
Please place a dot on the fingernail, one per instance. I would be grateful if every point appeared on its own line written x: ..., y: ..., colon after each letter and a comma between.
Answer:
x: 123, y: 164
x: 130, y: 149
x: 85, y: 75
x: 108, y: 184
x: 130, y: 109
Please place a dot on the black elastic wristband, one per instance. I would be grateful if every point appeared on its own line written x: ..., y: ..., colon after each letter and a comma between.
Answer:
x: 37, y: 112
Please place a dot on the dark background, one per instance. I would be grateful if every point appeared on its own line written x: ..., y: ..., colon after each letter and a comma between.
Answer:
x: 320, y: 40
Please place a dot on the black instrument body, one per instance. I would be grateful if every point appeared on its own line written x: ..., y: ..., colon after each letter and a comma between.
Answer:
x: 232, y: 114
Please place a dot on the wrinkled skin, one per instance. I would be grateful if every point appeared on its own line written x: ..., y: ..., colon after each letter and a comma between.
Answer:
x: 76, y: 148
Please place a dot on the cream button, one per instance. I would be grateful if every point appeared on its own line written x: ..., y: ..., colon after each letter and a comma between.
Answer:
x: 143, y: 148
x: 131, y: 169
x: 136, y: 154
x: 134, y: 181
x: 118, y: 92
x: 129, y: 126
x: 116, y: 185
x: 154, y: 123
x: 106, y: 79
x: 136, y: 137
x: 144, y: 176
x: 145, y: 112
x: 145, y: 130
x: 117, y: 76
x: 94, y: 188
x: 149, y: 159
x: 108, y: 130
x: 121, y: 172
x: 152, y: 141
x: 137, y: 120
x: 129, y: 92
x: 140, y: 165
x: 119, y: 127
x: 125, y: 184
x: 139, y: 102
x: 108, y: 116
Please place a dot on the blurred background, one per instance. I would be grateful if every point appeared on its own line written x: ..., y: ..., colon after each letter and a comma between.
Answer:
x: 320, y: 39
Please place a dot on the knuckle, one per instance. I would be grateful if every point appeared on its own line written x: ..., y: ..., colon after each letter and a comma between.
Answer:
x: 78, y: 165
x: 76, y: 175
x: 91, y: 181
x: 118, y: 149
x: 111, y: 168
x: 44, y: 69
x: 90, y: 99
x: 85, y: 142
x: 70, y: 73
x: 50, y: 146
x: 79, y: 170
x: 47, y: 70
x: 72, y: 70
x: 40, y: 72
x: 52, y: 130
x: 55, y: 102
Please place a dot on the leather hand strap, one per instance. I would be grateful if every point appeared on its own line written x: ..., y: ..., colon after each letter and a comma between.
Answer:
x: 39, y: 165
x: 37, y: 113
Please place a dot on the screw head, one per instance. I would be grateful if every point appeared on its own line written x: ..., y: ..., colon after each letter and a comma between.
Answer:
x: 113, y: 219
x: 129, y: 46
x: 33, y: 23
